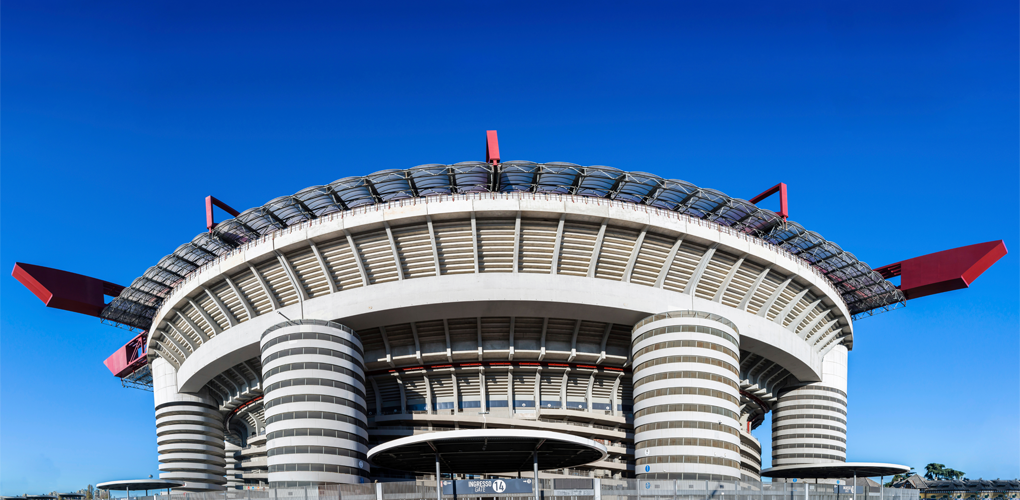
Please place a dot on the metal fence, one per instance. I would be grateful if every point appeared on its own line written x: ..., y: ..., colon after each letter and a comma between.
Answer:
x: 568, y: 489
x: 633, y: 489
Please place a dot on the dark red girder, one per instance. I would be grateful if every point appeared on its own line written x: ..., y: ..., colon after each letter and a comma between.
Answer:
x: 63, y: 290
x: 944, y: 271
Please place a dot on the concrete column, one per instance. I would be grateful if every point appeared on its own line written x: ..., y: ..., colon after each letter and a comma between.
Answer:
x: 686, y: 397
x: 189, y: 433
x: 817, y: 410
x: 316, y: 422
x: 534, y: 465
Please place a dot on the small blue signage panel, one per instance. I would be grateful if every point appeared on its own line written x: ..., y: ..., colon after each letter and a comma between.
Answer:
x: 487, y: 486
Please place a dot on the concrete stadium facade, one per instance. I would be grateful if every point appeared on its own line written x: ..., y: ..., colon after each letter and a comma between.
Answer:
x: 663, y: 336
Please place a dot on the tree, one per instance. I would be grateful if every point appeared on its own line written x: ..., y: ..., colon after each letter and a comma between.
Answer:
x: 900, y: 477
x: 934, y: 471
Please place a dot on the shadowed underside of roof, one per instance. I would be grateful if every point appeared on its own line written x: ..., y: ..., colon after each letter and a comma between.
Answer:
x: 863, y: 289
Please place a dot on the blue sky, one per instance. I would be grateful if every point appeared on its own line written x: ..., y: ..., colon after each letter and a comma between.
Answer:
x: 894, y: 124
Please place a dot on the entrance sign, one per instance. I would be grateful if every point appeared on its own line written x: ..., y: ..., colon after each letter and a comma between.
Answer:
x: 487, y: 486
x: 573, y: 493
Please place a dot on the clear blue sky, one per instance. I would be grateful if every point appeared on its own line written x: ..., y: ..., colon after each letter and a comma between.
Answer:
x: 895, y: 125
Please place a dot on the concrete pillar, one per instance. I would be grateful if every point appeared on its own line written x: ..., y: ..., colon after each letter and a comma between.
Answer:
x: 189, y: 433
x: 817, y: 410
x: 686, y: 397
x: 316, y: 422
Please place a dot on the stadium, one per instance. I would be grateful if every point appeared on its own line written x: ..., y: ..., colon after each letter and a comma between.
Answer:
x: 647, y: 325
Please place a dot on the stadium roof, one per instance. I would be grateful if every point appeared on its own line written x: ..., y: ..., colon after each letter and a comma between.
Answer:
x: 863, y: 290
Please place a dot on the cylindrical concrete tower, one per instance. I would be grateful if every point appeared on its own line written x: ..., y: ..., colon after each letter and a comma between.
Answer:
x: 316, y: 421
x: 686, y: 397
x: 189, y: 434
x: 809, y: 422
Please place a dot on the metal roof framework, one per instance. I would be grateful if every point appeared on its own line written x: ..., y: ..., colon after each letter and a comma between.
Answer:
x: 863, y: 290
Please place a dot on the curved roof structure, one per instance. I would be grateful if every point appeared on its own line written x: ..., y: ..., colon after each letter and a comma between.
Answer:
x: 486, y: 451
x: 835, y: 470
x: 861, y: 288
x: 139, y: 484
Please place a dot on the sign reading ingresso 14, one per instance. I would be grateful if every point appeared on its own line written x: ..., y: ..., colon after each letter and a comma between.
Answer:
x: 487, y: 486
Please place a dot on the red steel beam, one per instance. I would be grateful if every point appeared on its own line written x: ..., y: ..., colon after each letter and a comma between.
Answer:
x: 938, y: 272
x: 491, y: 147
x: 780, y: 188
x: 63, y: 290
x: 128, y: 358
x: 210, y: 202
x: 239, y: 408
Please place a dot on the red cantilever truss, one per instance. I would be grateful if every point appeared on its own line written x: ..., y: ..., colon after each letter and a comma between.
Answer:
x: 491, y: 147
x: 780, y: 188
x: 944, y: 271
x: 84, y: 295
x: 128, y: 358
x: 210, y: 202
x: 63, y: 290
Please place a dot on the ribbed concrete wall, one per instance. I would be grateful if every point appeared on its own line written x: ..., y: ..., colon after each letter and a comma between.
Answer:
x: 809, y: 422
x: 686, y: 397
x: 750, y: 457
x: 235, y: 480
x: 189, y: 434
x: 747, y: 276
x: 253, y: 462
x: 316, y: 423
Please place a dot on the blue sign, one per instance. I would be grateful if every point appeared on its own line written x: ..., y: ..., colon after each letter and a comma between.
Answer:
x: 795, y: 480
x: 648, y: 468
x: 487, y: 486
x: 648, y: 485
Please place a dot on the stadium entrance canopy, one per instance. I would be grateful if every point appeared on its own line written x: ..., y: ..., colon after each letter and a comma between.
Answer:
x: 139, y: 484
x: 486, y: 451
x: 836, y: 470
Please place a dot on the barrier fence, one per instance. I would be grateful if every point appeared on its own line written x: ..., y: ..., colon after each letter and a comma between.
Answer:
x: 567, y: 489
